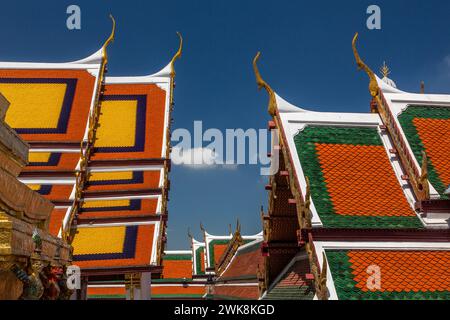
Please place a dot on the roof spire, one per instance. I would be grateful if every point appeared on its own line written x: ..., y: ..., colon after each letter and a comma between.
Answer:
x: 262, y: 84
x: 385, y: 71
x: 110, y: 38
x: 422, y: 87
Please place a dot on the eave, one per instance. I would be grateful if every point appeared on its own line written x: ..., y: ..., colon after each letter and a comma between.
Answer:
x: 377, y: 235
x: 113, y: 271
x: 122, y: 220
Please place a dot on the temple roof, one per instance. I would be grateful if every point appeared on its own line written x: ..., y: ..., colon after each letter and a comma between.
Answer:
x: 113, y: 132
x: 116, y: 246
x: 410, y: 274
x: 351, y: 175
x: 293, y: 283
x: 215, y: 246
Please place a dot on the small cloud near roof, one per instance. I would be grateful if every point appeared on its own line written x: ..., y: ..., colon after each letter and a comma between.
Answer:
x: 198, y: 158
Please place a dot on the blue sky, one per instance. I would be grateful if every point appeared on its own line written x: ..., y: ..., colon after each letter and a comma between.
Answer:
x: 307, y: 59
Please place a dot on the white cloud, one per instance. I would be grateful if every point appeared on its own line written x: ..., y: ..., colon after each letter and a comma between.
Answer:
x: 198, y: 158
x: 447, y: 61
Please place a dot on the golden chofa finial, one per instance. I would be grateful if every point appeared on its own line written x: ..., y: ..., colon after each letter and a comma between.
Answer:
x: 385, y: 71
x: 373, y: 85
x: 110, y: 38
x: 262, y: 84
x: 176, y: 56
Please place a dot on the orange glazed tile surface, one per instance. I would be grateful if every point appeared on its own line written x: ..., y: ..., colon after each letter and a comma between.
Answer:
x: 154, y: 120
x: 65, y: 161
x: 172, y: 290
x: 59, y: 192
x: 361, y: 181
x: 145, y: 207
x: 403, y: 271
x: 142, y: 252
x: 150, y: 180
x: 435, y: 137
x: 56, y: 220
x: 245, y: 264
x: 177, y: 269
x: 219, y: 249
x: 105, y: 291
x: 240, y: 292
x: 77, y: 108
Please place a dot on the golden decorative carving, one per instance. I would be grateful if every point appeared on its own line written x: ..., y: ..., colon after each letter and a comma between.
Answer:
x: 234, y: 244
x: 304, y: 211
x: 176, y: 56
x: 110, y: 39
x: 419, y: 182
x: 320, y: 274
x: 373, y: 85
x: 423, y: 179
x: 262, y: 287
x: 262, y: 84
x: 385, y: 71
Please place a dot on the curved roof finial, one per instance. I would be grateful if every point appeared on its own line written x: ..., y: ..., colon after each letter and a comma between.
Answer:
x: 176, y: 56
x: 238, y: 226
x: 189, y: 233
x: 373, y: 85
x: 110, y: 38
x: 262, y: 84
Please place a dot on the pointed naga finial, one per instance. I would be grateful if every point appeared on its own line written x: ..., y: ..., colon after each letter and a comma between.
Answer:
x: 238, y: 226
x: 189, y: 234
x: 373, y: 85
x: 262, y: 84
x: 176, y: 56
x: 110, y: 38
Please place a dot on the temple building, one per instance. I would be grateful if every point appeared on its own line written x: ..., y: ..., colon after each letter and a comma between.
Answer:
x: 100, y: 152
x: 239, y: 269
x: 177, y: 281
x: 32, y: 262
x: 358, y: 209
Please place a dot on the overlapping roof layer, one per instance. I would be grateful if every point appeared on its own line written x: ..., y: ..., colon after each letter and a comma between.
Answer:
x: 349, y: 172
x: 403, y: 274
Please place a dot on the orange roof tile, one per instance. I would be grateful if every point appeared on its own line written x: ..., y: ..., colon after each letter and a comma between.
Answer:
x: 361, y: 181
x: 435, y: 137
x: 149, y: 121
x: 71, y: 116
x: 403, y: 270
x: 177, y: 269
x: 136, y: 246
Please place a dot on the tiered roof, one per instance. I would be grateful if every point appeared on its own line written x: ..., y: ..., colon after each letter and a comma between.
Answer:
x: 216, y: 246
x: 100, y: 151
x: 368, y: 193
x: 176, y: 281
x: 240, y: 276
